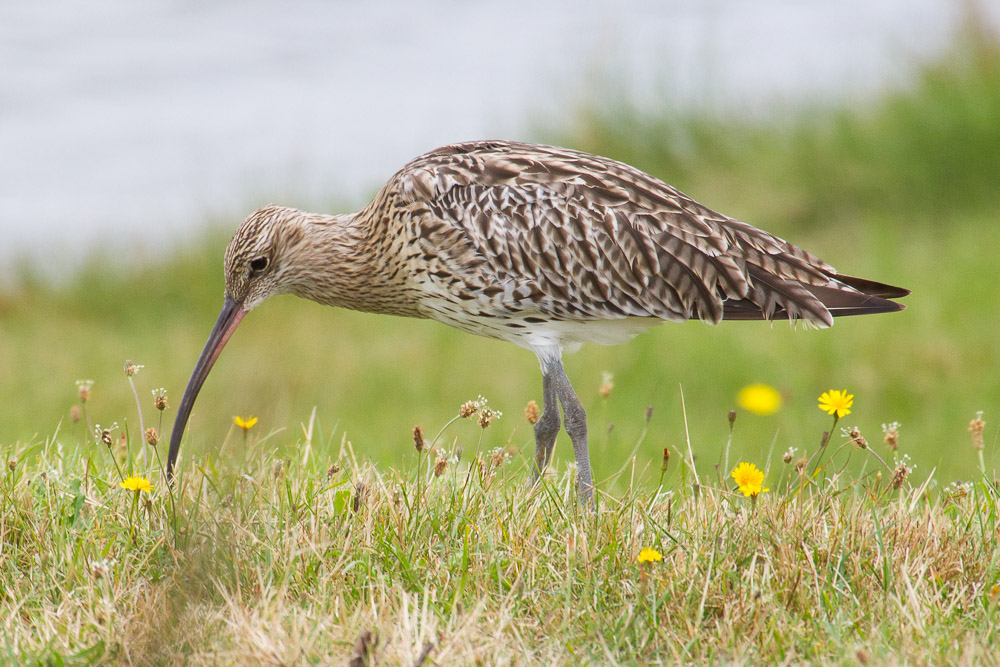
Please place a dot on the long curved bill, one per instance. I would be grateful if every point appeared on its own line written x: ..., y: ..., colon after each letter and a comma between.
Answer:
x: 230, y: 317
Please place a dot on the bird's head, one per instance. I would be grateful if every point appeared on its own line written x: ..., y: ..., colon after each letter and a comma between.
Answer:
x: 258, y: 261
x: 258, y: 264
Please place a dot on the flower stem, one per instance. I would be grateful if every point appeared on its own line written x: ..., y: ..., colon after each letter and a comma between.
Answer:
x: 441, y: 432
x: 822, y: 445
x: 880, y: 459
x: 142, y: 427
x: 131, y: 515
x: 729, y: 442
x: 114, y: 460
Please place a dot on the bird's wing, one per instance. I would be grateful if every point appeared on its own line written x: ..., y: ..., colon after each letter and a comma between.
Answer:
x: 586, y: 237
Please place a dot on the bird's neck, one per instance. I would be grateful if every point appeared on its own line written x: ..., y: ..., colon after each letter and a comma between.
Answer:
x: 344, y: 263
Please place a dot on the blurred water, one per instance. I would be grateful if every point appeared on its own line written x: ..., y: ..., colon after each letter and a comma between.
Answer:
x: 129, y: 124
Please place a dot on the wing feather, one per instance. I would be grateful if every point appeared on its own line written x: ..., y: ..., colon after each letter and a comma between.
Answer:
x: 588, y: 238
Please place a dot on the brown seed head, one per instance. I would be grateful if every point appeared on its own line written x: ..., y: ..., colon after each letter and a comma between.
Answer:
x: 11, y: 464
x: 152, y: 437
x: 131, y: 368
x: 891, y: 437
x: 666, y: 460
x: 75, y: 413
x: 858, y: 439
x: 787, y: 458
x: 440, y: 465
x: 160, y: 399
x: 332, y: 470
x: 976, y: 427
x: 418, y: 439
x: 958, y: 490
x: 498, y: 456
x: 800, y: 465
x: 607, y: 384
x: 468, y: 409
x: 899, y: 475
x: 732, y: 418
x: 649, y: 412
x: 106, y: 436
x: 83, y: 389
x: 531, y: 412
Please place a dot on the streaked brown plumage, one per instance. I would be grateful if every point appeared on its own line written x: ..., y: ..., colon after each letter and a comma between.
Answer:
x: 545, y: 247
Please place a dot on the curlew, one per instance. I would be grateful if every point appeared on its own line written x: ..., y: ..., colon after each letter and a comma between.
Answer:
x: 545, y: 247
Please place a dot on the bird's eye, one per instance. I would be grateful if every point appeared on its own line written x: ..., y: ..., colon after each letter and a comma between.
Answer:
x: 258, y: 264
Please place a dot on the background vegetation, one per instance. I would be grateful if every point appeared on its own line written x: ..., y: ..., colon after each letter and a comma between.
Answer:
x: 901, y: 189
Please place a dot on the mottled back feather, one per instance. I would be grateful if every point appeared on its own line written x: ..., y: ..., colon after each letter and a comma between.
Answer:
x: 578, y: 237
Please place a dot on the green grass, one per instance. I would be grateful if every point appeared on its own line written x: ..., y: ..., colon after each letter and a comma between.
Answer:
x: 270, y: 562
x: 288, y: 558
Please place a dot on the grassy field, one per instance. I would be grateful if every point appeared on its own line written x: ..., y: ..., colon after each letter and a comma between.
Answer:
x: 268, y: 558
x: 290, y: 561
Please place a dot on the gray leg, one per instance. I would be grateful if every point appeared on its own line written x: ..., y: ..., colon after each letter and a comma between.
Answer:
x: 546, y: 428
x: 576, y: 426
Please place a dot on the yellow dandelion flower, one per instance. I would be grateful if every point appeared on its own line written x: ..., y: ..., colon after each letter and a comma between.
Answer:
x: 137, y: 484
x: 760, y: 399
x: 245, y: 424
x: 836, y: 402
x: 750, y: 479
x: 648, y: 555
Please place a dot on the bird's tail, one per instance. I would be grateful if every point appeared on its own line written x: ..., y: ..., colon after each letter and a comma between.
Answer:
x: 853, y: 296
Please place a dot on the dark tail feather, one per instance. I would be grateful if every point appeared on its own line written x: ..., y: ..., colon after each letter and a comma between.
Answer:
x: 871, y: 298
x: 872, y: 288
x: 841, y: 303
